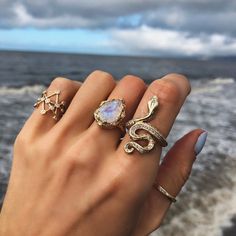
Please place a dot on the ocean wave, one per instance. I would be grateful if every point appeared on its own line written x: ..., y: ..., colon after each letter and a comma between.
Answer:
x: 21, y: 90
x: 213, y: 85
x: 207, y: 89
x: 221, y: 80
x: 214, y: 212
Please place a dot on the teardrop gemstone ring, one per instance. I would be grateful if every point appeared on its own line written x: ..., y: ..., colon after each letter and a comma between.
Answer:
x: 110, y: 114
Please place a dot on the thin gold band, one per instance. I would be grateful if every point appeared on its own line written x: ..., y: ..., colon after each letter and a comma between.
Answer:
x: 164, y: 192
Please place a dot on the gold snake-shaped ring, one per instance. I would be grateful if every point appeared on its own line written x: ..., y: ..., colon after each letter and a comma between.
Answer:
x: 151, y: 137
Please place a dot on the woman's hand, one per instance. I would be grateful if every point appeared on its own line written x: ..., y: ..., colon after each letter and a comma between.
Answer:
x: 72, y: 177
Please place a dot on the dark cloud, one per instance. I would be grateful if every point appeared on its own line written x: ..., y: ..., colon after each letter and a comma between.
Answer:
x: 194, y: 16
x: 67, y: 13
x: 180, y: 27
x: 205, y: 18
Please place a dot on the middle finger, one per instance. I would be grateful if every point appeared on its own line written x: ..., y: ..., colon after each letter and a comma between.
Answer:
x: 171, y: 91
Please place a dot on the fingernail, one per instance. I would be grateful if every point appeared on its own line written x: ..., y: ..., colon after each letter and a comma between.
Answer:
x: 200, y: 142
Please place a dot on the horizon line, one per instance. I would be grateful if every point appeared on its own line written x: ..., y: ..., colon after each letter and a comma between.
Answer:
x: 112, y: 55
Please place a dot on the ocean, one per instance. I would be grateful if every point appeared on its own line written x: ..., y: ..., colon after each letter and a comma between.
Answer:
x: 207, y: 204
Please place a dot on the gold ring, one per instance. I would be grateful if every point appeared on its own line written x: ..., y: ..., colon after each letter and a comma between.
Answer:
x: 164, y: 192
x: 56, y: 107
x: 110, y: 114
x: 151, y: 136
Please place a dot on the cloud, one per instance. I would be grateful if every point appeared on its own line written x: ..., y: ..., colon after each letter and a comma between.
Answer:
x: 194, y: 20
x: 64, y: 14
x: 205, y: 16
x: 186, y: 27
x: 161, y: 42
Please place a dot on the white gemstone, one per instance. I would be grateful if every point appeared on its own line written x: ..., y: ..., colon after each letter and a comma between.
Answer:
x: 110, y: 111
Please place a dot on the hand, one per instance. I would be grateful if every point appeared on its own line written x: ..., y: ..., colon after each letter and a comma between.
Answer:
x: 72, y: 177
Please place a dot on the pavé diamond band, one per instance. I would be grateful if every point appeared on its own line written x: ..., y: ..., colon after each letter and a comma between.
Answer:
x: 151, y: 135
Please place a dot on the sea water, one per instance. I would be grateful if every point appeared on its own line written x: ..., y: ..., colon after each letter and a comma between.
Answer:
x: 207, y: 202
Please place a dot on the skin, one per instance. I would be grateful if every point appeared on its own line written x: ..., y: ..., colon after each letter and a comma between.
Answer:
x: 72, y: 177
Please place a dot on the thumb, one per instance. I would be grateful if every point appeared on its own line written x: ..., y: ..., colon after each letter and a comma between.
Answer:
x: 177, y: 164
x: 172, y: 175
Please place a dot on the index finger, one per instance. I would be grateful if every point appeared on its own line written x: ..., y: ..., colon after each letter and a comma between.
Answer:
x: 171, y: 91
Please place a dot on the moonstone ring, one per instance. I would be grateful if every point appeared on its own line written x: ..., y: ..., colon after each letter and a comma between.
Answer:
x: 110, y: 114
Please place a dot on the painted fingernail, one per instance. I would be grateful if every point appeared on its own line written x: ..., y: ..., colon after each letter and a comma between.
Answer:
x: 200, y: 142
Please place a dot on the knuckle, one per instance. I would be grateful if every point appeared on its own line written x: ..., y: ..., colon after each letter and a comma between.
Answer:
x: 176, y: 75
x: 182, y: 79
x: 115, y: 184
x: 71, y: 163
x: 19, y: 141
x: 100, y: 72
x: 166, y: 90
x: 102, y: 76
x: 132, y: 79
x: 22, y: 140
x: 60, y: 82
x: 124, y: 182
x: 84, y: 158
x: 25, y: 149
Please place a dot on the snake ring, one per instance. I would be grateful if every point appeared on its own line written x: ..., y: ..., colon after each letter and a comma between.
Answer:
x: 151, y: 135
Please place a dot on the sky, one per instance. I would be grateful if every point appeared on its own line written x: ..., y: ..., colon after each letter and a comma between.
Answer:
x: 122, y: 27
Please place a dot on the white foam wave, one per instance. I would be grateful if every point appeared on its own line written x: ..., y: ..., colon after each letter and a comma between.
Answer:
x: 207, y: 89
x: 221, y: 80
x: 209, y: 222
x: 215, y: 211
x: 22, y: 90
x: 214, y: 85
